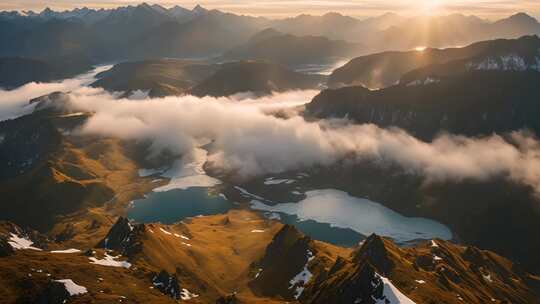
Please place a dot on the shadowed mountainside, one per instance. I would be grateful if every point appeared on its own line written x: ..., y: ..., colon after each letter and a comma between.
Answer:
x: 274, y: 46
x: 386, y: 69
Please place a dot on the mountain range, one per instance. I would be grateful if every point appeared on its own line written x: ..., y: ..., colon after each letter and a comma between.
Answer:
x: 495, y: 91
x: 167, y: 77
x: 270, y: 44
x: 488, y: 80
x: 151, y: 31
x: 78, y: 163
x: 162, y: 264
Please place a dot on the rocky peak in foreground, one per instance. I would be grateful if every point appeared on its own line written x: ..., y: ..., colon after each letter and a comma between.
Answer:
x: 14, y: 237
x: 294, y: 267
x: 124, y: 237
x: 168, y: 284
x: 434, y: 272
x: 56, y: 102
x: 284, y: 267
x: 375, y: 252
x: 219, y: 259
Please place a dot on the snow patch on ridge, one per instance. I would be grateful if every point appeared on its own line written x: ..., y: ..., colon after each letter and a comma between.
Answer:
x: 18, y: 242
x: 509, y: 62
x: 302, y: 278
x: 246, y: 194
x: 187, y: 295
x: 110, y: 261
x: 72, y: 288
x: 72, y: 250
x: 274, y: 181
x: 427, y: 81
x: 391, y: 295
x: 165, y: 231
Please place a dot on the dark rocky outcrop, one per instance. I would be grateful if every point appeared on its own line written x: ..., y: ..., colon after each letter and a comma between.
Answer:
x: 228, y: 299
x: 117, y: 235
x: 124, y: 237
x: 167, y: 283
x: 5, y: 247
x: 440, y: 270
x: 374, y: 251
x: 54, y: 293
x: 359, y: 284
x: 285, y: 257
x: 42, y: 292
x: 7, y: 229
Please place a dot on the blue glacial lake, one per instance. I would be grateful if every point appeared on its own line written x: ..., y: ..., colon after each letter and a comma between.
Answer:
x: 174, y: 205
x: 339, y: 210
x: 326, y: 215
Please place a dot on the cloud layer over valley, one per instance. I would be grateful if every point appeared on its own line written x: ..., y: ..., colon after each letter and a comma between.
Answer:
x: 249, y: 141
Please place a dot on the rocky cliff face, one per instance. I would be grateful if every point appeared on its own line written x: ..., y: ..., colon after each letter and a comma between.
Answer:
x: 291, y: 267
x: 436, y: 271
x: 475, y: 103
x: 124, y: 238
x: 284, y: 268
x: 168, y: 284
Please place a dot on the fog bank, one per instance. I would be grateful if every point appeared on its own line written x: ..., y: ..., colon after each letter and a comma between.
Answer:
x: 248, y: 141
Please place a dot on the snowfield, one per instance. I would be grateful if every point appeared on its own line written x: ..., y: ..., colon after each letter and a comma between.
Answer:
x: 301, y: 278
x: 187, y: 295
x: 18, y: 242
x: 72, y: 250
x: 110, y: 261
x: 72, y: 288
x: 273, y: 181
x: 392, y: 295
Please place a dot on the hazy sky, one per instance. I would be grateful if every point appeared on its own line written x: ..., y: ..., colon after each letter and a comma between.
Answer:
x: 280, y: 8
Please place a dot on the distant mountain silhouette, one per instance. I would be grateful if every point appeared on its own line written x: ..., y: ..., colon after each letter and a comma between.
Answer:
x: 291, y: 50
x: 259, y: 78
x: 152, y: 31
x: 17, y: 71
x: 178, y: 77
x: 157, y: 77
x: 453, y: 30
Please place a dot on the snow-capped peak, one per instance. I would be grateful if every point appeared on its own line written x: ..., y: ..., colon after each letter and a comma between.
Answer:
x: 508, y: 62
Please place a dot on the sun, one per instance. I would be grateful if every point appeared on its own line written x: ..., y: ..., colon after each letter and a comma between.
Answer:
x: 431, y: 7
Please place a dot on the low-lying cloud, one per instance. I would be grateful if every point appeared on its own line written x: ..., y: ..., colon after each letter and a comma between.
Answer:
x: 14, y: 103
x: 248, y: 141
